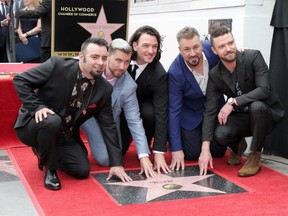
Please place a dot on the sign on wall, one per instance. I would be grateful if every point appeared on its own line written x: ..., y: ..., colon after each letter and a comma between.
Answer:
x: 74, y: 21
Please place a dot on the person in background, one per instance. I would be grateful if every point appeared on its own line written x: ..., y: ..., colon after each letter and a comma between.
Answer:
x: 69, y: 92
x: 152, y: 93
x: 29, y: 26
x: 123, y: 98
x: 187, y: 82
x: 43, y: 12
x: 4, y: 20
x: 252, y: 108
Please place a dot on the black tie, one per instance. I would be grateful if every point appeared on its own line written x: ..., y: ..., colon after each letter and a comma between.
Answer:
x: 3, y: 10
x: 133, y: 72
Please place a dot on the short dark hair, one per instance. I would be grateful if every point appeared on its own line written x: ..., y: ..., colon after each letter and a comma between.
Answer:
x: 98, y: 41
x: 217, y: 31
x: 150, y: 31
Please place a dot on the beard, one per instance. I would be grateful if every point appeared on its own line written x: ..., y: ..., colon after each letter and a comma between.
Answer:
x: 193, y: 62
x: 229, y: 58
x: 96, y: 74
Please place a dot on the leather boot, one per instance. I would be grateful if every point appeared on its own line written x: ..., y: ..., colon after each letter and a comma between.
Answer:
x: 235, y: 159
x: 252, y: 165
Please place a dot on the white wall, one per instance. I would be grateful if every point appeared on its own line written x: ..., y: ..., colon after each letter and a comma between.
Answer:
x: 250, y: 21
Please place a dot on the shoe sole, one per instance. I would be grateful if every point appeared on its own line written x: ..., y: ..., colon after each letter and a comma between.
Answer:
x: 230, y: 164
x: 248, y: 175
x: 52, y: 188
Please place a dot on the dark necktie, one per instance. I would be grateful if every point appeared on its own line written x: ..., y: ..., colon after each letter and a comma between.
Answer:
x: 3, y: 9
x: 133, y: 72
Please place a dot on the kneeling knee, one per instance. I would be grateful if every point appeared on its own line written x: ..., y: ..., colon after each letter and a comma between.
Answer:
x: 221, y: 134
x: 82, y: 173
x: 103, y: 162
x: 257, y: 106
x: 52, y: 121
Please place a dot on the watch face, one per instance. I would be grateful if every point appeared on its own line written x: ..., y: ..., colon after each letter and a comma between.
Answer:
x: 230, y: 100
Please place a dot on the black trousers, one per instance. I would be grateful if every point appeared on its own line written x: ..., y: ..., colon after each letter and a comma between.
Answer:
x: 192, y: 144
x: 147, y: 115
x: 58, y: 151
x: 257, y: 122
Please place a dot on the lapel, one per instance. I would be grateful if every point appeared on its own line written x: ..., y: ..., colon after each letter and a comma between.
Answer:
x: 240, y: 70
x: 146, y: 74
x: 117, y: 88
x: 227, y: 78
x: 189, y: 75
x: 72, y: 80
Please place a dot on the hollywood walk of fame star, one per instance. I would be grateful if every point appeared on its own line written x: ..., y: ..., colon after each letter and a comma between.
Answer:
x: 164, y: 184
x: 101, y: 29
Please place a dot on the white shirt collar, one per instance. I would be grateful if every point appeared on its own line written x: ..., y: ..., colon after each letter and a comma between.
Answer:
x: 140, y: 68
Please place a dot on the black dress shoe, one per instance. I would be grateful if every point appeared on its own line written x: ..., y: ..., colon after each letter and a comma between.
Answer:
x: 36, y: 152
x: 51, y: 180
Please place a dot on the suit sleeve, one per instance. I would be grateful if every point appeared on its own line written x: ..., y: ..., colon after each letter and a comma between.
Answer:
x: 174, y: 111
x: 135, y: 124
x: 160, y: 102
x: 25, y: 84
x: 109, y: 130
x: 255, y: 67
x: 213, y: 98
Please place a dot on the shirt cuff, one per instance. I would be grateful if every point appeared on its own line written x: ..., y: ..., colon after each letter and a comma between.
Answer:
x: 142, y: 155
x: 158, y: 152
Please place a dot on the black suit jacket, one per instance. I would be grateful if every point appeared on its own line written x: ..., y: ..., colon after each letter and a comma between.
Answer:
x: 254, y: 80
x: 2, y: 36
x: 54, y: 81
x: 152, y: 87
x: 43, y: 12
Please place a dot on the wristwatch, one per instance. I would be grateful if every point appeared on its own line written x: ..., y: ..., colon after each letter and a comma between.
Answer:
x: 231, y: 101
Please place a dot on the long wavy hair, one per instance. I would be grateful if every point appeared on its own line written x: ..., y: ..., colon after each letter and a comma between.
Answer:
x: 150, y: 31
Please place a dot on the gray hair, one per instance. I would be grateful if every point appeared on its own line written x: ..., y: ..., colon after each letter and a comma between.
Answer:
x: 187, y: 33
x: 119, y: 44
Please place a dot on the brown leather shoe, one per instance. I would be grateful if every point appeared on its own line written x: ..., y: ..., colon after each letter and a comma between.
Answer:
x: 235, y: 159
x: 252, y: 165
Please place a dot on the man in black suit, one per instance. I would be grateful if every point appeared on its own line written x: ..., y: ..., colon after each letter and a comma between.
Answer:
x: 152, y: 92
x: 58, y: 96
x: 44, y: 12
x: 252, y: 108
